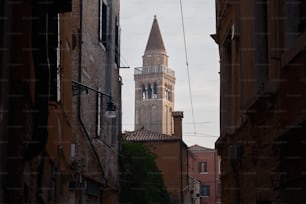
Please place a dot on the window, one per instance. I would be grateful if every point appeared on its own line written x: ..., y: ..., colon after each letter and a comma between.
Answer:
x: 167, y: 91
x: 203, y: 167
x: 149, y: 91
x: 295, y: 22
x: 143, y: 92
x: 302, y: 24
x: 117, y: 43
x: 102, y: 22
x: 261, y: 44
x: 93, y: 188
x: 155, y: 90
x: 204, y: 190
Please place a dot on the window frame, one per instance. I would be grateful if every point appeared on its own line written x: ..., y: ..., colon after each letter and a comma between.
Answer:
x: 102, y: 23
x: 143, y: 92
x: 117, y: 42
x: 205, y: 168
x: 149, y: 91
x: 207, y: 187
x: 154, y: 94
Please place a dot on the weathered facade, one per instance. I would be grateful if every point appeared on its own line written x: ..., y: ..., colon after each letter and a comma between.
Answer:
x: 262, y: 94
x: 204, y: 167
x: 171, y: 158
x: 154, y: 87
x: 96, y: 71
x: 59, y: 76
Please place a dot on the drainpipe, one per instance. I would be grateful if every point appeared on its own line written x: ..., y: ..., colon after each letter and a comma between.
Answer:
x: 80, y: 30
x: 80, y: 54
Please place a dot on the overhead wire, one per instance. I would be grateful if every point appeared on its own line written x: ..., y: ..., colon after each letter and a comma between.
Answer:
x: 187, y: 66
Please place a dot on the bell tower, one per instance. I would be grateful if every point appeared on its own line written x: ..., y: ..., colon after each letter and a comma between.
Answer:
x: 154, y: 87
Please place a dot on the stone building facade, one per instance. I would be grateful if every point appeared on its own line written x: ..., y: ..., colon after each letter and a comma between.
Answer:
x: 97, y: 88
x: 154, y: 87
x: 262, y: 94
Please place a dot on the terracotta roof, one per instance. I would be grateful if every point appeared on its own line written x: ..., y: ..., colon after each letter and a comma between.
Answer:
x: 155, y: 43
x: 198, y: 148
x: 147, y: 136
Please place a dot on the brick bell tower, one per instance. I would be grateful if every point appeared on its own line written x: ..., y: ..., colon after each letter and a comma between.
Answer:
x: 154, y: 87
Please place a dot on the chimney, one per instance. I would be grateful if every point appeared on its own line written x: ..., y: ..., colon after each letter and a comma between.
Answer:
x: 178, y: 128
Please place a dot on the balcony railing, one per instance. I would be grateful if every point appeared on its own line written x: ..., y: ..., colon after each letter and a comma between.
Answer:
x: 154, y: 69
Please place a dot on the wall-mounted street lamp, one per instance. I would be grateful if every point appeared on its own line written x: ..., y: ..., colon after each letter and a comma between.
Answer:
x: 110, y: 110
x: 78, y: 88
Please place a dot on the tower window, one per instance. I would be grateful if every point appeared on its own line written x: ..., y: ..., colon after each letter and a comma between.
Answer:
x: 155, y: 90
x: 168, y: 93
x: 149, y: 91
x: 143, y: 92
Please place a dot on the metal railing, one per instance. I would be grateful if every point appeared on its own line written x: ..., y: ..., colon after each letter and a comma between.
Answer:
x: 154, y: 69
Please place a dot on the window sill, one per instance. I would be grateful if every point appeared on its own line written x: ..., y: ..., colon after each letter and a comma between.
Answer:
x: 203, y: 172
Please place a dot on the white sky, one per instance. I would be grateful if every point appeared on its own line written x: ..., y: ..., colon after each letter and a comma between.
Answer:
x: 203, y: 59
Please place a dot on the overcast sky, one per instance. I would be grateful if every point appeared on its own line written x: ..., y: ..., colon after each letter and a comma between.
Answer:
x: 203, y: 59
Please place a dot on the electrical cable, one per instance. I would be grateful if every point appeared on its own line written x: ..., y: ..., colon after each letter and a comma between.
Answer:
x: 187, y: 66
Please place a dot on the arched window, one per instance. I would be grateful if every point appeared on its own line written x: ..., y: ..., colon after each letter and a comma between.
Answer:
x: 155, y: 90
x: 143, y: 92
x: 149, y: 91
x: 170, y: 94
x: 167, y: 92
x: 167, y: 119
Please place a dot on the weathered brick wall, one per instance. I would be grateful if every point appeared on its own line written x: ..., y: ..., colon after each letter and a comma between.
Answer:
x: 168, y: 161
x: 249, y: 145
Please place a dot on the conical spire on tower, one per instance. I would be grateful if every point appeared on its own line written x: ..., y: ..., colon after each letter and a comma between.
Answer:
x: 155, y: 44
x: 154, y: 86
x: 155, y: 53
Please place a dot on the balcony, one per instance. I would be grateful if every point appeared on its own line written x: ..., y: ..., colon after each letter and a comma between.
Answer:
x: 154, y: 69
